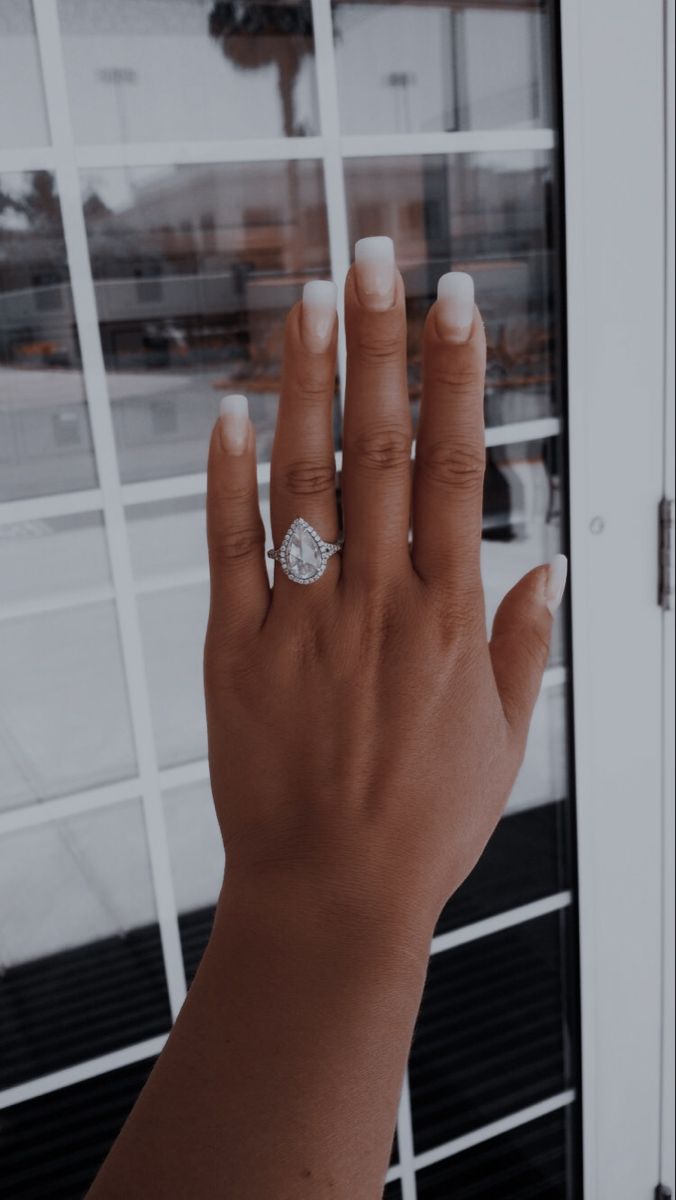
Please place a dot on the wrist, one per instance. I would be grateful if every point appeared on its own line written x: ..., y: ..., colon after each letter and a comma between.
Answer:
x: 338, y: 915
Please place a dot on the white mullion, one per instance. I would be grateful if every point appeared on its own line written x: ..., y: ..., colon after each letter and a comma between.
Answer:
x: 390, y: 145
x: 58, y: 602
x: 475, y: 1138
x: 500, y: 922
x: 41, y: 812
x: 170, y: 154
x: 27, y: 158
x: 405, y: 1142
x: 67, y: 1076
x: 334, y: 177
x: 63, y: 504
x: 84, y: 301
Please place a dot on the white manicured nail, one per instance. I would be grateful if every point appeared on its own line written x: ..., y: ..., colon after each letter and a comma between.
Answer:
x: 318, y: 314
x: 235, y: 423
x: 376, y: 272
x: 455, y: 306
x: 556, y: 582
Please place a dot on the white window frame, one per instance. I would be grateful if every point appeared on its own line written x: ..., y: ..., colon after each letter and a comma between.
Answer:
x: 614, y: 117
x: 618, y: 472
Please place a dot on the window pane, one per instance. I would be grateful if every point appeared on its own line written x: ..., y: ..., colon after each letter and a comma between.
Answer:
x: 195, y: 268
x: 197, y: 861
x: 175, y: 620
x: 61, y: 729
x: 533, y: 1162
x: 79, y: 1125
x: 430, y: 66
x: 45, y: 439
x: 51, y: 557
x: 23, y: 120
x: 168, y: 537
x: 529, y: 856
x: 167, y: 70
x: 81, y: 961
x: 490, y: 215
x: 493, y: 1032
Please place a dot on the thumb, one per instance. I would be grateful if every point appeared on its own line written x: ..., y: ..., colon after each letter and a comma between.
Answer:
x: 520, y: 640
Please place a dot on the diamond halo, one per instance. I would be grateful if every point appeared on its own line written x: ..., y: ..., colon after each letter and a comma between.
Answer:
x: 303, y: 553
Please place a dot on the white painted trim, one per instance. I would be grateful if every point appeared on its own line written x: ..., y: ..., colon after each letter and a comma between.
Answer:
x: 26, y: 158
x: 668, y: 1117
x: 189, y: 577
x: 393, y: 1173
x: 150, y: 154
x: 28, y: 816
x: 615, y: 416
x: 57, y: 602
x: 185, y: 774
x: 486, y: 1132
x: 475, y: 141
x: 405, y: 1143
x: 39, y: 508
x: 501, y: 921
x: 84, y: 302
x: 67, y: 1076
x: 334, y: 174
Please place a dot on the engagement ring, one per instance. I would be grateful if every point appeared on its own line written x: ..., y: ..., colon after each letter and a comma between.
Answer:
x: 303, y: 554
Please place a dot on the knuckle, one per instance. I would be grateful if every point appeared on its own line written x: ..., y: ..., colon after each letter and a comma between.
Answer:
x: 310, y: 478
x: 230, y: 546
x: 380, y: 343
x: 312, y: 390
x: 461, y: 377
x: 455, y: 465
x: 383, y: 448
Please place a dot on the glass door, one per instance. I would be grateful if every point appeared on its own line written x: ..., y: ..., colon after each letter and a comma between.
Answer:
x: 171, y: 173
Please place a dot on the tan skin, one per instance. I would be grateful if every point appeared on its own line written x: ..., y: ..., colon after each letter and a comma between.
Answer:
x: 364, y: 736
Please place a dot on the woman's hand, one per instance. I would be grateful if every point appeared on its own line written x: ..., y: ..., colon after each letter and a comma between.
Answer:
x: 363, y: 739
x: 364, y: 735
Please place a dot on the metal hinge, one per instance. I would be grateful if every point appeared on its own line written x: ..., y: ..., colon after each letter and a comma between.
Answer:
x: 662, y: 1192
x: 666, y: 555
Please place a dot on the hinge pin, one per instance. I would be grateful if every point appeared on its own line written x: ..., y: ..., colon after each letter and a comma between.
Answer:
x: 666, y: 555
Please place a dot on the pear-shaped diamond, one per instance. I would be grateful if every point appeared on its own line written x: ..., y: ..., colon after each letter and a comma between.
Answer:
x: 304, y: 559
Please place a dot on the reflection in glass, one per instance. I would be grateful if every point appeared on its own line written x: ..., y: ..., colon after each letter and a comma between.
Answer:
x: 438, y: 65
x: 490, y: 215
x: 176, y: 621
x: 195, y: 269
x: 197, y: 862
x: 64, y: 722
x: 535, y: 1160
x: 23, y: 120
x: 168, y: 70
x: 79, y: 1122
x: 45, y: 439
x: 494, y: 1031
x: 80, y: 960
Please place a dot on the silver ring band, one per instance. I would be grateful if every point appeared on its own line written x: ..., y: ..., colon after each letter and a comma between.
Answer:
x: 303, y: 553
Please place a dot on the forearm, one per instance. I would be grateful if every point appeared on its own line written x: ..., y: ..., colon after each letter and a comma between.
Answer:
x: 282, y: 1075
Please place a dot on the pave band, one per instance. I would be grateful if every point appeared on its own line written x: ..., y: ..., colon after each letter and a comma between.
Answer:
x: 303, y: 553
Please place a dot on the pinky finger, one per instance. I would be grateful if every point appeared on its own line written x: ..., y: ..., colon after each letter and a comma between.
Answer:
x: 240, y: 592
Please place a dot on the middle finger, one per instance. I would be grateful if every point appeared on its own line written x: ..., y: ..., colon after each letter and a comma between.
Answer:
x: 376, y: 473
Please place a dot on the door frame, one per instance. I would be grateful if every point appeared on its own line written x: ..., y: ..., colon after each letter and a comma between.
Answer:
x: 614, y: 162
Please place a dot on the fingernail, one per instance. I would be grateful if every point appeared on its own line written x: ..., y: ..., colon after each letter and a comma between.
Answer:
x: 375, y: 271
x: 455, y: 306
x: 234, y: 423
x: 556, y: 582
x: 318, y: 314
